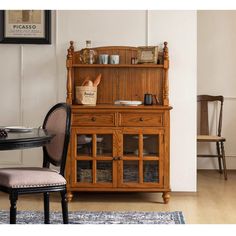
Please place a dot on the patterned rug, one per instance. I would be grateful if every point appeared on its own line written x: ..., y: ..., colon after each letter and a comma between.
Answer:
x: 97, y: 217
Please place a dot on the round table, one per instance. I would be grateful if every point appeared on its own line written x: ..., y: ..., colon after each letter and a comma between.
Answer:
x: 20, y: 140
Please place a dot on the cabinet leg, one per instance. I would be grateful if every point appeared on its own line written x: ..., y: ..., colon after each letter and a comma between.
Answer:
x: 69, y: 196
x: 166, y: 197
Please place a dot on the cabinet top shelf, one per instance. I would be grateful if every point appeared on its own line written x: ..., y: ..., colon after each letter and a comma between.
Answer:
x: 123, y: 81
x: 118, y: 65
x: 120, y: 107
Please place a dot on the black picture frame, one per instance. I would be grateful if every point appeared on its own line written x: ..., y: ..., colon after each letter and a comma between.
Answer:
x: 46, y: 39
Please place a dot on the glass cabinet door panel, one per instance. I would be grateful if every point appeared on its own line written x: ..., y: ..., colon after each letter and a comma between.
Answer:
x: 85, y: 171
x: 104, y: 171
x: 84, y: 145
x: 131, y: 171
x: 104, y: 144
x: 130, y: 145
x: 150, y: 171
x: 151, y: 145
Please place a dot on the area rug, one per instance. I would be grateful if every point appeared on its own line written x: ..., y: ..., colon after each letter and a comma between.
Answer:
x: 97, y: 217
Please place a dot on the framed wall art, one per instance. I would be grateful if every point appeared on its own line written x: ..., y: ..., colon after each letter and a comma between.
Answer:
x: 25, y: 26
x: 148, y: 54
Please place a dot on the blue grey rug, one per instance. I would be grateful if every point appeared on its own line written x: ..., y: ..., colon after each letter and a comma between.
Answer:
x: 98, y: 217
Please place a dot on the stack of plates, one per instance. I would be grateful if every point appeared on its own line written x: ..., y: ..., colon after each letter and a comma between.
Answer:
x: 18, y: 129
x: 128, y: 103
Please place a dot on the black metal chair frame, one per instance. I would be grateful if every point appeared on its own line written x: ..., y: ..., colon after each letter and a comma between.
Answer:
x: 14, y: 192
x: 204, y: 130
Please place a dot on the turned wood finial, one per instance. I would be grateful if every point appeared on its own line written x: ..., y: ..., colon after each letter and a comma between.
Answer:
x: 166, y: 50
x: 166, y: 56
x: 72, y: 45
x: 70, y: 50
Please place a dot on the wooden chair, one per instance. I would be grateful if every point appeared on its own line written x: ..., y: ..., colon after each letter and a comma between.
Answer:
x: 204, y: 135
x: 28, y: 180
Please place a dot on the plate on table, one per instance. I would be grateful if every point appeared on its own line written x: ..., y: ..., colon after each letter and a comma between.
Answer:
x: 128, y: 103
x: 18, y: 129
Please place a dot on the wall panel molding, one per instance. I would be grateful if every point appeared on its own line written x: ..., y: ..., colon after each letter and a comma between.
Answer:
x: 147, y: 28
x: 230, y: 98
x: 55, y: 23
x: 21, y: 92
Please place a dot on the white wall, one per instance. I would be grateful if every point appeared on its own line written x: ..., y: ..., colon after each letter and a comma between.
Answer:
x: 28, y: 88
x: 216, y: 75
x: 38, y: 77
x: 178, y: 28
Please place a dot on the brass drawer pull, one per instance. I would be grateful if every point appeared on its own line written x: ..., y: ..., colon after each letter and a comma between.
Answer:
x: 93, y: 119
x: 141, y: 119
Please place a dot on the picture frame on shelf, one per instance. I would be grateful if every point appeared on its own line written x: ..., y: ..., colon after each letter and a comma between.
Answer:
x: 25, y: 26
x: 148, y: 54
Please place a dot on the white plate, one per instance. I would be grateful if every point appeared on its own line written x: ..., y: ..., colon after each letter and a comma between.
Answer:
x: 18, y: 129
x: 99, y: 139
x: 128, y: 103
x: 82, y: 139
x: 144, y: 152
x: 137, y: 137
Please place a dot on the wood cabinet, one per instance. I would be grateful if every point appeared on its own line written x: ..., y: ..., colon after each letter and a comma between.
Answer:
x: 113, y: 147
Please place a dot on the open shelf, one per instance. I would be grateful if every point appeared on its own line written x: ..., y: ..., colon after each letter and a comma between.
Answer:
x: 118, y: 65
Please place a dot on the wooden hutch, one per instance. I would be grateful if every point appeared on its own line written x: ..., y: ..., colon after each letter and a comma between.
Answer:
x: 114, y: 147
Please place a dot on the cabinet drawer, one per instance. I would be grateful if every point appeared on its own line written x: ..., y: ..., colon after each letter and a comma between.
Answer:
x: 141, y: 119
x: 91, y: 119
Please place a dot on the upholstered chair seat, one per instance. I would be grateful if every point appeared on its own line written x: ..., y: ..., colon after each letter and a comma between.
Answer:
x: 28, y: 180
x: 30, y: 177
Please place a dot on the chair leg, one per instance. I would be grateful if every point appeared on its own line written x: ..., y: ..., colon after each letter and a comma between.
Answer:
x: 219, y: 156
x: 223, y: 159
x: 13, y: 199
x: 64, y: 205
x: 46, y: 208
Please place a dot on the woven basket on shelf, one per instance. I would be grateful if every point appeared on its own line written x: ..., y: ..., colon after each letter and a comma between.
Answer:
x: 86, y: 95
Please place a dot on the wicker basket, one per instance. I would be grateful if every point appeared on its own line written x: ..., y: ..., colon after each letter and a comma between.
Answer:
x: 86, y: 95
x: 85, y: 175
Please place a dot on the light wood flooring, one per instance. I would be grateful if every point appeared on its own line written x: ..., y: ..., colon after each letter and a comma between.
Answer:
x: 213, y: 203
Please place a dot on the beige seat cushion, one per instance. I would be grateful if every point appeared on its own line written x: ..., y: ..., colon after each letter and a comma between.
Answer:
x: 30, y: 177
x: 207, y: 138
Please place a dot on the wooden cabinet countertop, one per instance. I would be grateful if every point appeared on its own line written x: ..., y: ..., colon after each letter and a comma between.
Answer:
x: 121, y: 107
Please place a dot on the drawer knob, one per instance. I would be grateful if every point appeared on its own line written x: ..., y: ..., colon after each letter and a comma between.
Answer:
x: 93, y: 119
x: 141, y: 119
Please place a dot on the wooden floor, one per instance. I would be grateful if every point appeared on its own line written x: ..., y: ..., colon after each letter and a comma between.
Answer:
x: 214, y: 202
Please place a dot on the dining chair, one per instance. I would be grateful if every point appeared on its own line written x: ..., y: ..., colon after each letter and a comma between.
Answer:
x: 205, y: 136
x: 45, y: 179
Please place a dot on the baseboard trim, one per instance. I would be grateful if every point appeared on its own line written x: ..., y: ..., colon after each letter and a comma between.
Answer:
x: 212, y: 163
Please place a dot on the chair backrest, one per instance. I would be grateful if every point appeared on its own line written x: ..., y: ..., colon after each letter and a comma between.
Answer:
x: 204, y: 122
x: 58, y: 122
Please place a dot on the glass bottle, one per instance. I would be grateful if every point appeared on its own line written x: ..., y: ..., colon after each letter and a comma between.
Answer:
x: 91, y: 53
x: 88, y: 43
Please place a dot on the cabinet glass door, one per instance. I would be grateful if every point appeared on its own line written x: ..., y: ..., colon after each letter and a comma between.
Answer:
x: 142, y: 155
x: 104, y: 172
x: 94, y: 157
x: 150, y: 171
x: 130, y: 171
